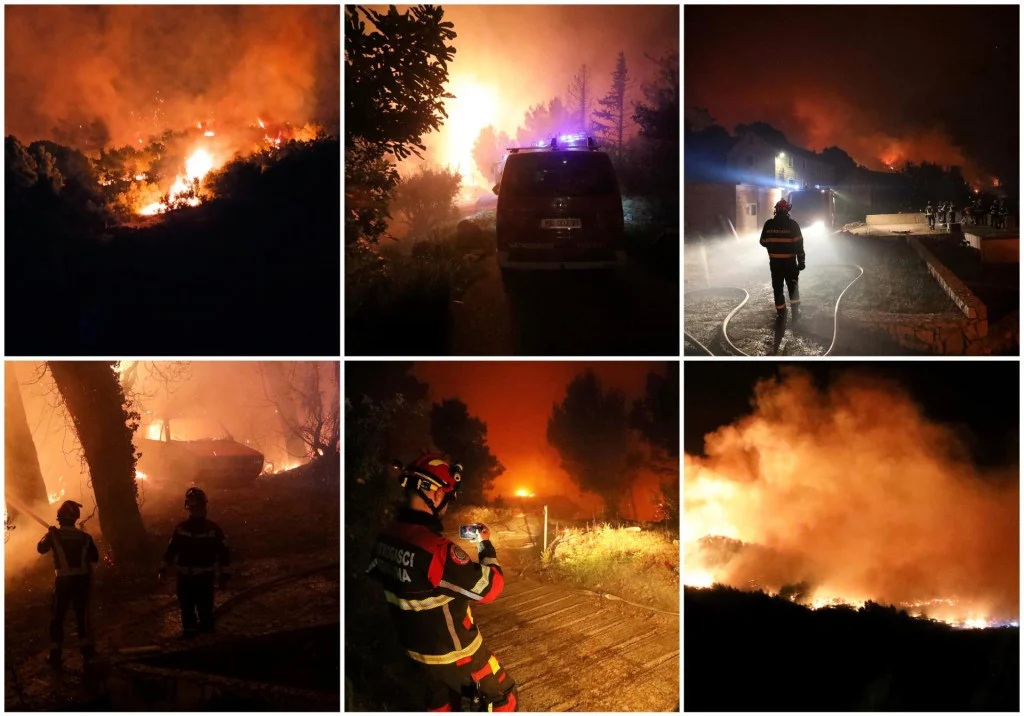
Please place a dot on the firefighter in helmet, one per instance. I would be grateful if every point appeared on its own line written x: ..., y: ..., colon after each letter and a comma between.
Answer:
x: 74, y: 553
x: 199, y: 552
x: 431, y: 583
x: 781, y: 236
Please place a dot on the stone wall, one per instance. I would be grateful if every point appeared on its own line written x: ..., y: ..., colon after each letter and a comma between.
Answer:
x: 932, y: 333
x: 969, y: 304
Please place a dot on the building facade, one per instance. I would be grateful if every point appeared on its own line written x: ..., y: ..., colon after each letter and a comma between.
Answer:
x: 756, y: 160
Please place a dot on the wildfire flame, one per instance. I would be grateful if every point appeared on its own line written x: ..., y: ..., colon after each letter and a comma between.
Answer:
x: 197, y: 166
x: 474, y: 108
x: 140, y: 475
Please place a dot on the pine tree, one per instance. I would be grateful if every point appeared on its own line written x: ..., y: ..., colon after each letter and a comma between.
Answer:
x: 610, y: 120
x: 580, y: 99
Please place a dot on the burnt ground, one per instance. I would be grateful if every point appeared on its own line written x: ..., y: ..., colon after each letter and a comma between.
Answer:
x: 284, y: 535
x: 568, y: 649
x: 895, y: 281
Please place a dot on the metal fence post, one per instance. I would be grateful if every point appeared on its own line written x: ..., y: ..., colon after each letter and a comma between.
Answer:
x: 545, y: 528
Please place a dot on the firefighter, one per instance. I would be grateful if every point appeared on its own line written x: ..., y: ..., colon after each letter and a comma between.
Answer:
x: 942, y: 213
x: 929, y: 212
x: 199, y: 551
x: 993, y: 213
x: 1003, y: 213
x: 74, y: 553
x: 430, y: 583
x: 951, y: 205
x: 781, y: 236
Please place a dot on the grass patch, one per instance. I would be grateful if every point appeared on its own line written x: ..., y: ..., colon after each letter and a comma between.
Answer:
x: 634, y: 564
x: 895, y: 280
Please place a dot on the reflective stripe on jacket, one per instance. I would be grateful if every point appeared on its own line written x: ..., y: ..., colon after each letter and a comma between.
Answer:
x: 783, y: 239
x: 429, y: 583
x: 74, y: 551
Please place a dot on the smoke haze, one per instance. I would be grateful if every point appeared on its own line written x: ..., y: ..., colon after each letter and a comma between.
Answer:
x: 142, y: 70
x: 853, y: 490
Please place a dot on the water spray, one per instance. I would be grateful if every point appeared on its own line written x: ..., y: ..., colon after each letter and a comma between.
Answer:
x: 24, y: 508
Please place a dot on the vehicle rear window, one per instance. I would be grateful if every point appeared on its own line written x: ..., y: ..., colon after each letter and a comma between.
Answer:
x: 550, y: 174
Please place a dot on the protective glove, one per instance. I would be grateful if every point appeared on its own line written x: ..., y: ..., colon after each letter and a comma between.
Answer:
x: 160, y: 574
x: 800, y: 266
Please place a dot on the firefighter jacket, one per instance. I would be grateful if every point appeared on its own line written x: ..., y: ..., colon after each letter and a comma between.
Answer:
x: 781, y: 236
x: 74, y: 551
x: 198, y: 547
x: 430, y: 583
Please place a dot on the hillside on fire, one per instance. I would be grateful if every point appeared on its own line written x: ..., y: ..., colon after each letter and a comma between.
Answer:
x: 181, y: 518
x: 851, y: 537
x: 184, y: 175
x: 561, y: 481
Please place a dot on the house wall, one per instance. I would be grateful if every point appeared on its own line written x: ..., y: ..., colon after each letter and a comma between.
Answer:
x: 707, y: 207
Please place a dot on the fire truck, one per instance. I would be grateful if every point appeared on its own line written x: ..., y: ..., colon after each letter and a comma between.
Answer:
x: 814, y: 209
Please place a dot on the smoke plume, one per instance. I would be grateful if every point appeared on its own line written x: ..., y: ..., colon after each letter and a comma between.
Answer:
x: 141, y: 70
x: 853, y: 491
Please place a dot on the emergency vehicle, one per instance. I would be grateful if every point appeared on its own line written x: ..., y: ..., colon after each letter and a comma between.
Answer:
x: 559, y: 207
x: 814, y: 209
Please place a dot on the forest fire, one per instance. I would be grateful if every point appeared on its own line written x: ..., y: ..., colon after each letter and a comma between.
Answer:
x: 850, y: 495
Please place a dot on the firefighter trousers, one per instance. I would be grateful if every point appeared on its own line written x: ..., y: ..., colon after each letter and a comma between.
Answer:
x: 479, y: 676
x: 785, y: 271
x: 71, y: 592
x: 195, y: 597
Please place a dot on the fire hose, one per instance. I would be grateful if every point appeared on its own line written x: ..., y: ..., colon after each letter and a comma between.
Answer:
x: 732, y: 348
x: 24, y: 508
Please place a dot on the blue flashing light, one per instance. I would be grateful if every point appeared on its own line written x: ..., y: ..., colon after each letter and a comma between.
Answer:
x: 576, y: 138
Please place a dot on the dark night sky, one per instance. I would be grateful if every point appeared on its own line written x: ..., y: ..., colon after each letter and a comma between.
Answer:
x: 937, y: 83
x: 981, y: 396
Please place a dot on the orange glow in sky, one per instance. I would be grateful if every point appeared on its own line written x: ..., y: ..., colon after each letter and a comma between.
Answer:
x: 515, y: 401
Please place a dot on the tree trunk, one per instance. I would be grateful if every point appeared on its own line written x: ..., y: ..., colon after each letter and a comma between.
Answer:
x: 105, y: 428
x: 23, y: 478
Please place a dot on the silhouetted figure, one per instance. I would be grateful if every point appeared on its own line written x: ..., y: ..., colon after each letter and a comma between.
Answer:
x: 781, y: 236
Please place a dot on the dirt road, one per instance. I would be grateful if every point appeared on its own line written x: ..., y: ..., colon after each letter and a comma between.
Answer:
x: 572, y: 650
x: 628, y: 312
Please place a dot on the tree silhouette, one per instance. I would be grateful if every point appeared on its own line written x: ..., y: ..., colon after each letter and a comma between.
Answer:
x: 105, y: 425
x: 395, y: 76
x: 579, y: 93
x: 610, y: 120
x: 542, y: 121
x: 394, y: 92
x: 463, y: 437
x: 590, y: 430
x: 656, y: 415
x: 840, y: 161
